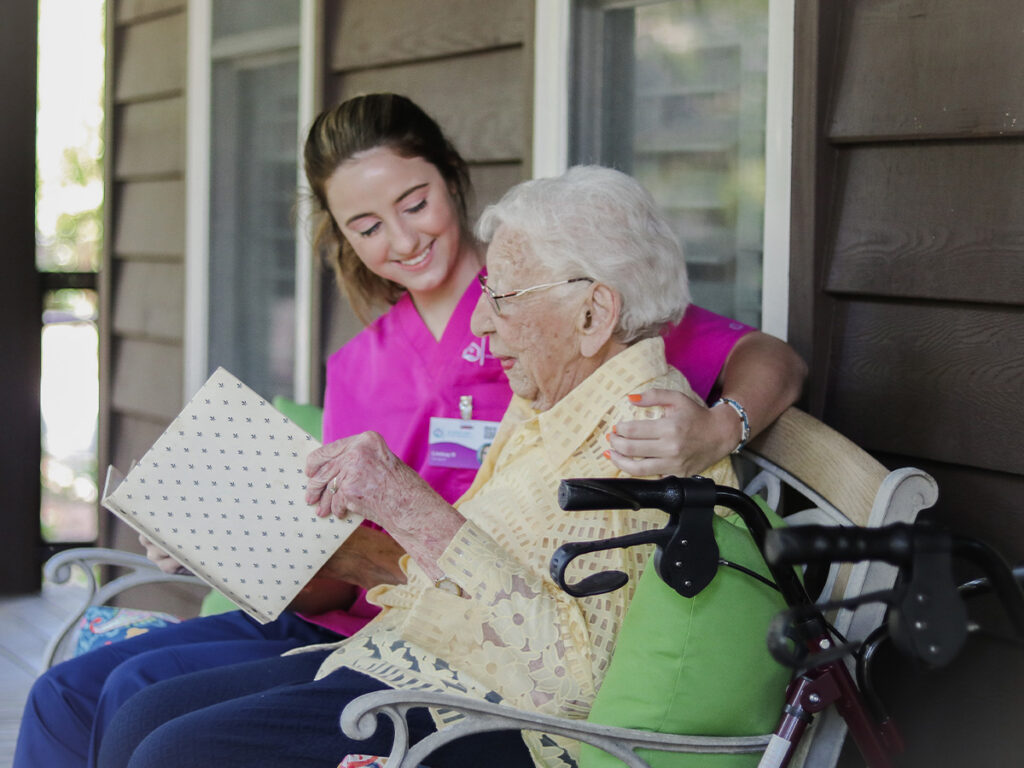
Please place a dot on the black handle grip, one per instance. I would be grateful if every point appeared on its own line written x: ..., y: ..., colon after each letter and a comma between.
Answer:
x: 819, y: 543
x: 622, y: 493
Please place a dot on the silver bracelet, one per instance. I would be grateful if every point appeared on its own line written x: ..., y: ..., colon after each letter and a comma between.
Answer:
x: 743, y: 418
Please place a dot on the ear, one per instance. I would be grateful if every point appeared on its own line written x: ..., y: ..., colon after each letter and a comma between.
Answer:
x: 598, y: 318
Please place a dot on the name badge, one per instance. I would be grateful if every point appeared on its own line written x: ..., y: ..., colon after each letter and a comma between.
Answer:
x: 459, y: 443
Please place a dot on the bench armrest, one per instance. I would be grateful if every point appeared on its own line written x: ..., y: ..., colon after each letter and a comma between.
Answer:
x: 359, y: 721
x: 139, y: 570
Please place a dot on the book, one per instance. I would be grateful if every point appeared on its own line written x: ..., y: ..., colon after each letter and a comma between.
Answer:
x: 223, y: 491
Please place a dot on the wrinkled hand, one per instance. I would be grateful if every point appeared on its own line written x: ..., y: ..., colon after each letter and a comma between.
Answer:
x: 688, y: 439
x: 360, y: 475
x: 163, y: 561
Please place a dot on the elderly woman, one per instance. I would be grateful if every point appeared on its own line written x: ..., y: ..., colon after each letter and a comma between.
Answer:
x: 583, y: 272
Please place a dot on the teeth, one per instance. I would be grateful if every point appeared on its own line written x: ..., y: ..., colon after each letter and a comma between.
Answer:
x: 416, y: 259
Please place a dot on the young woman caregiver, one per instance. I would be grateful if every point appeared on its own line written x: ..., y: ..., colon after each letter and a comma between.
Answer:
x: 393, y: 193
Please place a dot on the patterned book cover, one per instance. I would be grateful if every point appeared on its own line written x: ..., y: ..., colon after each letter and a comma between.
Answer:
x: 223, y: 491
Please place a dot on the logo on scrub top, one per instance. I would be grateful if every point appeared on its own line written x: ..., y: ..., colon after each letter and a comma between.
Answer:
x: 476, y: 352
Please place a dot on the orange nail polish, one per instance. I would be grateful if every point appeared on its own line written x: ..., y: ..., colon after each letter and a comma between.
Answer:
x: 615, y: 429
x: 608, y: 436
x: 635, y: 398
x: 607, y: 454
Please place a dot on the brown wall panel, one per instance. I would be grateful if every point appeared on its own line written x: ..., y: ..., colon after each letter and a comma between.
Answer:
x: 933, y: 381
x: 149, y: 300
x: 149, y: 218
x: 133, y: 10
x: 975, y: 502
x: 374, y: 32
x: 927, y: 68
x: 816, y: 35
x: 477, y: 99
x: 339, y: 321
x: 931, y: 220
x: 151, y: 59
x: 150, y: 138
x: 147, y: 378
x: 146, y: 221
x: 133, y: 436
x: 490, y: 182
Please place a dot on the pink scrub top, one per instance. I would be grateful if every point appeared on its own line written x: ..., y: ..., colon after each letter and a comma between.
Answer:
x: 394, y: 375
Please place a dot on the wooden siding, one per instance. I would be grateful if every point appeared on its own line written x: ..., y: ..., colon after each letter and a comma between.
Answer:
x: 491, y: 181
x: 930, y: 381
x: 483, y: 115
x: 150, y: 59
x: 907, y: 290
x: 909, y: 266
x: 931, y: 220
x: 137, y: 10
x: 144, y: 277
x: 968, y: 488
x: 147, y: 378
x: 152, y: 139
x: 162, y: 317
x: 468, y: 63
x: 371, y: 33
x: 138, y: 435
x: 919, y: 69
x: 150, y: 218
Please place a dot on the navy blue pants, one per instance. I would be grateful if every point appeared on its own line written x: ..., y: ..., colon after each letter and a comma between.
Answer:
x: 273, y: 714
x: 70, y: 705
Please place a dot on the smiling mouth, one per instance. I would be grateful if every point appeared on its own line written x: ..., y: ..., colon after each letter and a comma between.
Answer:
x: 417, y: 260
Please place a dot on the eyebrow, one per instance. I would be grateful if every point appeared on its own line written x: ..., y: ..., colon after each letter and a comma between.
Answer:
x: 400, y: 198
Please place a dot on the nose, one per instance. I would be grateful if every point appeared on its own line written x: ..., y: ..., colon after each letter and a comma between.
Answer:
x: 404, y: 238
x: 482, y: 321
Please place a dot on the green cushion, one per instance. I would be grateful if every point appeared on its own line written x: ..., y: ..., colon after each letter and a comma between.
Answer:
x: 215, y: 602
x: 309, y: 418
x: 696, y: 666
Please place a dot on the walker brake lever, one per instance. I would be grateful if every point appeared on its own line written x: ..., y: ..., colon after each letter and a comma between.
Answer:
x: 687, y: 552
x: 605, y: 581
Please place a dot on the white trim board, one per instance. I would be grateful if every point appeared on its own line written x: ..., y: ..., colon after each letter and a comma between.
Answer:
x: 197, y: 196
x: 551, y: 88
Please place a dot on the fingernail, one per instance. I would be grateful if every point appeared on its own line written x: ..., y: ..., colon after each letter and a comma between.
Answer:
x: 615, y: 429
x: 635, y: 398
x: 607, y: 454
x: 608, y: 435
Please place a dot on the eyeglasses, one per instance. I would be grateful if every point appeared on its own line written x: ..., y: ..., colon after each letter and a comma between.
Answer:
x: 494, y: 298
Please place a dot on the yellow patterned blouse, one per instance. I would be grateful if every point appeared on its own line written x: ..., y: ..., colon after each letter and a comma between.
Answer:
x: 519, y: 638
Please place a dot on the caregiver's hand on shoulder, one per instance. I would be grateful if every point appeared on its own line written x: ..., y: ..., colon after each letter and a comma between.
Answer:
x: 688, y: 439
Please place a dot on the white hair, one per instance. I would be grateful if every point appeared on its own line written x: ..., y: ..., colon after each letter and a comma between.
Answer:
x: 600, y: 223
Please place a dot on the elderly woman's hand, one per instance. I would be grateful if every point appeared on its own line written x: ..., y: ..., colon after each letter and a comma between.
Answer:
x: 360, y: 475
x: 688, y: 439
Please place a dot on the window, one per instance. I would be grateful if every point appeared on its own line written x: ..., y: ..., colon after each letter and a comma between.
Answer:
x: 679, y: 94
x: 248, y: 259
x: 69, y: 234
